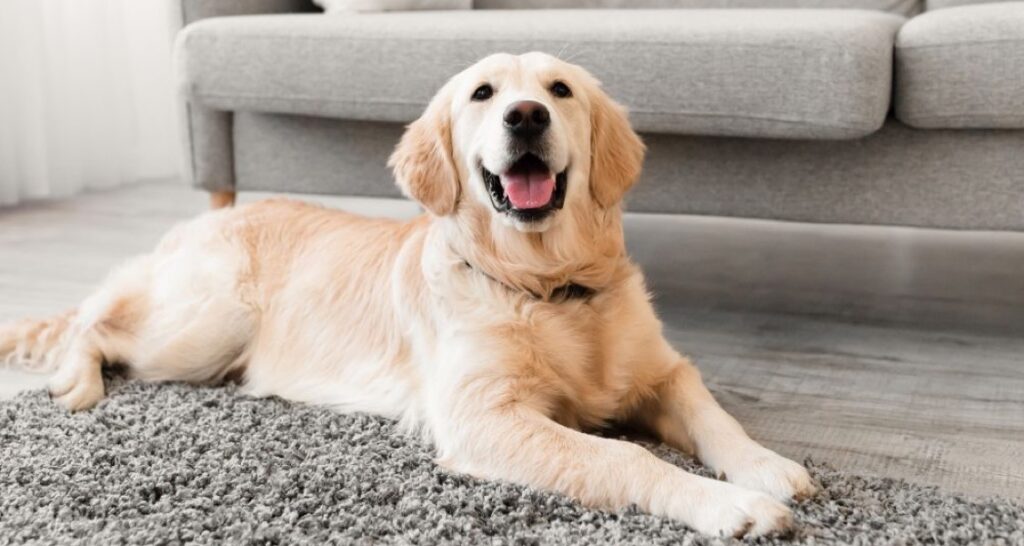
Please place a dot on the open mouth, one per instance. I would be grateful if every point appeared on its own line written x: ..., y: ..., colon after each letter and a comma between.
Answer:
x: 528, y: 190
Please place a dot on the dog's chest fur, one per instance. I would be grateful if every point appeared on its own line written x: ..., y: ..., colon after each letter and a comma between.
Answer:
x: 581, y: 360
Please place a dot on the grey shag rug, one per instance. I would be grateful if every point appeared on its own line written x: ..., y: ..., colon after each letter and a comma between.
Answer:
x: 171, y: 464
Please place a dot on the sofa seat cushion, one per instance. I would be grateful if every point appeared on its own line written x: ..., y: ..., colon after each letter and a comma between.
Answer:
x: 767, y: 73
x: 962, y: 67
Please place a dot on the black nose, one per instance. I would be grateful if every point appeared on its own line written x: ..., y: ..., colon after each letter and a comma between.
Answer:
x: 527, y: 118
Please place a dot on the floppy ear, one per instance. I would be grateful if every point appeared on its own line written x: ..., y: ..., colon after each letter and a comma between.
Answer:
x: 423, y: 162
x: 616, y: 151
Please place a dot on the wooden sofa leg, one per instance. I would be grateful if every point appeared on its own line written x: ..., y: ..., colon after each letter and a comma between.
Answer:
x: 221, y: 199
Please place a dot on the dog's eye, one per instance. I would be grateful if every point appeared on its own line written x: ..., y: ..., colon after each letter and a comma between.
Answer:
x: 560, y: 90
x: 483, y: 92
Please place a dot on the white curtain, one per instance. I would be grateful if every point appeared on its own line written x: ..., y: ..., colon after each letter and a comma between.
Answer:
x: 86, y: 98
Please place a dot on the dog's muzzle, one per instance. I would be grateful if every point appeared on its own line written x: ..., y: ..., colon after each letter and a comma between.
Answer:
x: 528, y: 190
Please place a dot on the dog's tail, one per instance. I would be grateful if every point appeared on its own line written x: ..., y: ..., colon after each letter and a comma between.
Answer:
x: 34, y: 345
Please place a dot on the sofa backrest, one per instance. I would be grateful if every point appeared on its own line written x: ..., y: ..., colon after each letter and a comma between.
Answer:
x: 194, y: 10
x: 939, y: 4
x: 902, y: 7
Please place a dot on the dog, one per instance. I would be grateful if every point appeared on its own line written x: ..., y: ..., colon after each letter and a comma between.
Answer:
x: 500, y: 324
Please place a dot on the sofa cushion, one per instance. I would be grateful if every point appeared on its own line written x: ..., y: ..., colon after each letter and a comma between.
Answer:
x: 768, y: 73
x: 902, y: 7
x: 962, y: 67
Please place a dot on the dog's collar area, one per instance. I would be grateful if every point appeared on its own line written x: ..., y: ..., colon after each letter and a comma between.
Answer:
x: 565, y: 292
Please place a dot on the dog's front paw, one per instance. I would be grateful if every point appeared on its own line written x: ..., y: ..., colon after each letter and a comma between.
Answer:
x: 764, y: 470
x: 731, y: 511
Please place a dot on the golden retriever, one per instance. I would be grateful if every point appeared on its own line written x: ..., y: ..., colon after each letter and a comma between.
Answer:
x: 500, y: 324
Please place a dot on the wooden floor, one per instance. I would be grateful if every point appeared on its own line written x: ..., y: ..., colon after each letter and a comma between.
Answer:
x: 910, y: 397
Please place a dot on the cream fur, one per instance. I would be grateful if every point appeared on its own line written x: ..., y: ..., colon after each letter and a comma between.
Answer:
x: 359, y: 314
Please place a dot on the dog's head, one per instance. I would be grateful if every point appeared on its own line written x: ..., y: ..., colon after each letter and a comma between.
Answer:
x: 522, y: 136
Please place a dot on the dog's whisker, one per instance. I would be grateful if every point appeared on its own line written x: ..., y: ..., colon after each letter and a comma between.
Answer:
x: 561, y: 51
x: 574, y: 56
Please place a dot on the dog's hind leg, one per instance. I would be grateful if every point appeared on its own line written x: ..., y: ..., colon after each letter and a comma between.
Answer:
x: 42, y: 345
x: 103, y: 329
x: 198, y: 341
x: 156, y: 316
x: 176, y: 314
x: 78, y: 384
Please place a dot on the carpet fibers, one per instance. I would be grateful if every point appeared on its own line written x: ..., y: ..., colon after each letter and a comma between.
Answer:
x: 170, y: 464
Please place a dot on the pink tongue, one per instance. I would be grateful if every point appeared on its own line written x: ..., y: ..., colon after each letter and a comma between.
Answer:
x: 529, y: 190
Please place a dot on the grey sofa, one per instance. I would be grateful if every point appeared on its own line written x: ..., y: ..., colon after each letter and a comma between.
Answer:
x: 894, y: 112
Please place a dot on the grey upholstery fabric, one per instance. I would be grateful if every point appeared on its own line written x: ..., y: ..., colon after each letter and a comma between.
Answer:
x: 194, y: 10
x: 939, y: 4
x: 207, y: 154
x: 962, y: 68
x: 349, y: 6
x: 315, y: 155
x: 897, y: 176
x: 754, y: 73
x: 208, y: 147
x: 902, y: 7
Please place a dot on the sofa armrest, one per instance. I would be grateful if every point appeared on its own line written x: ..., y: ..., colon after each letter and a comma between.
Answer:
x: 194, y: 10
x: 206, y: 133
